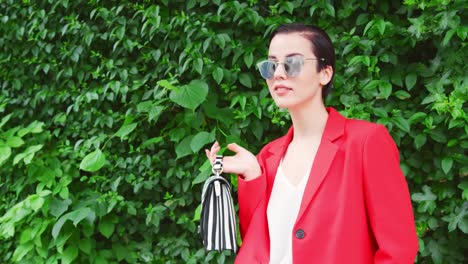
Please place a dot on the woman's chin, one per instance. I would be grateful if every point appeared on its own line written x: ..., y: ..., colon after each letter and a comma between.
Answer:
x: 282, y: 104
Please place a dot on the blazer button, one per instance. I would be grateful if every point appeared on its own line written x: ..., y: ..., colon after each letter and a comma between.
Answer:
x: 300, y: 234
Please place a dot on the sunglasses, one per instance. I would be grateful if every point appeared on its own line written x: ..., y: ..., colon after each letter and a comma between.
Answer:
x: 292, y: 66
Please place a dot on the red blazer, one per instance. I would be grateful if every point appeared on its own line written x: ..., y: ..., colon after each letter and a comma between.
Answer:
x: 356, y: 206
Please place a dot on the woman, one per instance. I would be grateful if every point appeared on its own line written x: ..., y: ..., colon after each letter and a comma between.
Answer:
x: 331, y: 190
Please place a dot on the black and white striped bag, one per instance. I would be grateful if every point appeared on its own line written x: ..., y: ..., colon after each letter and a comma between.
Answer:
x: 218, y: 217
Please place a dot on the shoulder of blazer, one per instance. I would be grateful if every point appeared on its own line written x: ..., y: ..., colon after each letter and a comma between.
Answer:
x: 361, y: 129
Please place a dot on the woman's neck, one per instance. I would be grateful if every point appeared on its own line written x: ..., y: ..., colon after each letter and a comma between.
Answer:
x: 309, y: 121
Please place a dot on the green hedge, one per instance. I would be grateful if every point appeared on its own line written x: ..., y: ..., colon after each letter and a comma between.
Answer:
x: 106, y: 106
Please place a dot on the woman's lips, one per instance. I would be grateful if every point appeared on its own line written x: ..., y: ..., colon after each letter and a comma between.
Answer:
x: 282, y: 90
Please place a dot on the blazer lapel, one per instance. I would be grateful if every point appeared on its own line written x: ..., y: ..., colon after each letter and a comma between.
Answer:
x: 272, y: 162
x: 324, y: 157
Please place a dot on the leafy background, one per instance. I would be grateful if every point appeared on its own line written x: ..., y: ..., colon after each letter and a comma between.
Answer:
x: 106, y: 106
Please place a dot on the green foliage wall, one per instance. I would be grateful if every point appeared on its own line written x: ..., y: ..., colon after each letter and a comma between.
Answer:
x: 106, y: 106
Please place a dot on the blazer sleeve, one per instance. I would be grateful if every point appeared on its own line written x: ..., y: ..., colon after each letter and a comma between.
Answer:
x: 250, y: 193
x: 388, y: 200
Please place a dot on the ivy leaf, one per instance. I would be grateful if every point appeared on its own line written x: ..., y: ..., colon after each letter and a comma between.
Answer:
x: 198, y: 65
x: 248, y: 59
x: 69, y: 254
x: 166, y: 84
x: 206, y: 44
x: 438, y: 135
x: 205, y: 171
x: 221, y: 40
x: 125, y: 130
x: 144, y: 106
x: 370, y: 85
x: 410, y: 81
x: 26, y: 236
x: 380, y: 24
x: 21, y: 251
x: 183, y: 148
x: 464, y: 187
x: 245, y: 80
x: 190, y: 96
x: 380, y: 112
x: 36, y: 202
x: 417, y: 117
x: 436, y: 251
x: 385, y: 89
x: 401, y: 123
x: 122, y: 253
x: 93, y: 161
x: 35, y: 127
x: 402, y: 94
x: 426, y: 200
x: 5, y: 153
x: 460, y: 219
x: 88, y: 37
x: 33, y: 149
x: 85, y: 245
x: 197, y: 213
x: 448, y: 36
x: 155, y: 112
x: 218, y: 75
x: 58, y: 207
x: 463, y: 223
x: 5, y: 119
x: 27, y: 155
x: 201, y: 139
x: 150, y: 142
x: 447, y: 163
x: 420, y: 140
x: 106, y: 228
x: 76, y: 216
x: 14, y: 142
x: 329, y: 9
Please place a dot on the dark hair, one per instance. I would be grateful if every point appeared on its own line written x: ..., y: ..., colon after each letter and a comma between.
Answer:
x: 322, y: 46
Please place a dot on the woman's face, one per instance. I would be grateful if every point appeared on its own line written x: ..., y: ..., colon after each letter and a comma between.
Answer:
x: 304, y: 88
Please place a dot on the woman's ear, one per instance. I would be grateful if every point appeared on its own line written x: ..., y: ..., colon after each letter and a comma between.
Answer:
x: 326, y: 75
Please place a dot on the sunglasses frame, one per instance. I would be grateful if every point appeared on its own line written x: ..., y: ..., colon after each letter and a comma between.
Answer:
x: 276, y: 63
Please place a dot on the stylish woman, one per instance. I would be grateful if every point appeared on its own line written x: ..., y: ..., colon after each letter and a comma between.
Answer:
x: 329, y: 191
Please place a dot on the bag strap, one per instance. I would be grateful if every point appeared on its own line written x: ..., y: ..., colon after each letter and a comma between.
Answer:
x: 218, y: 165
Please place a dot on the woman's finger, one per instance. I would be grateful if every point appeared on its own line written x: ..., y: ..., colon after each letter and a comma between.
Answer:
x: 214, y: 147
x: 230, y: 165
x: 211, y: 153
x: 235, y: 148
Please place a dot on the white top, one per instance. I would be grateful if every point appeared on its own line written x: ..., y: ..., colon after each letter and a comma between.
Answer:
x: 282, y: 211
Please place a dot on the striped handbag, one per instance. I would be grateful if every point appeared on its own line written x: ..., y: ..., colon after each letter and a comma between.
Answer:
x: 218, y: 217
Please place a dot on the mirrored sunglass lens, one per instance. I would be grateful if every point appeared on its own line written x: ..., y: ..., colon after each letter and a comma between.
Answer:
x: 267, y: 69
x: 293, y: 66
x: 271, y: 67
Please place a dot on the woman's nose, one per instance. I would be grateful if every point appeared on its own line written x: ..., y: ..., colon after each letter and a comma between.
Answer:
x: 280, y: 71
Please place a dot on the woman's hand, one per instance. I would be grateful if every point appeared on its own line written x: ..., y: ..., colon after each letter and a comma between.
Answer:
x: 243, y: 162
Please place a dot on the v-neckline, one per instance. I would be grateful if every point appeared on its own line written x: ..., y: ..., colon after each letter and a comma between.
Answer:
x: 297, y: 186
